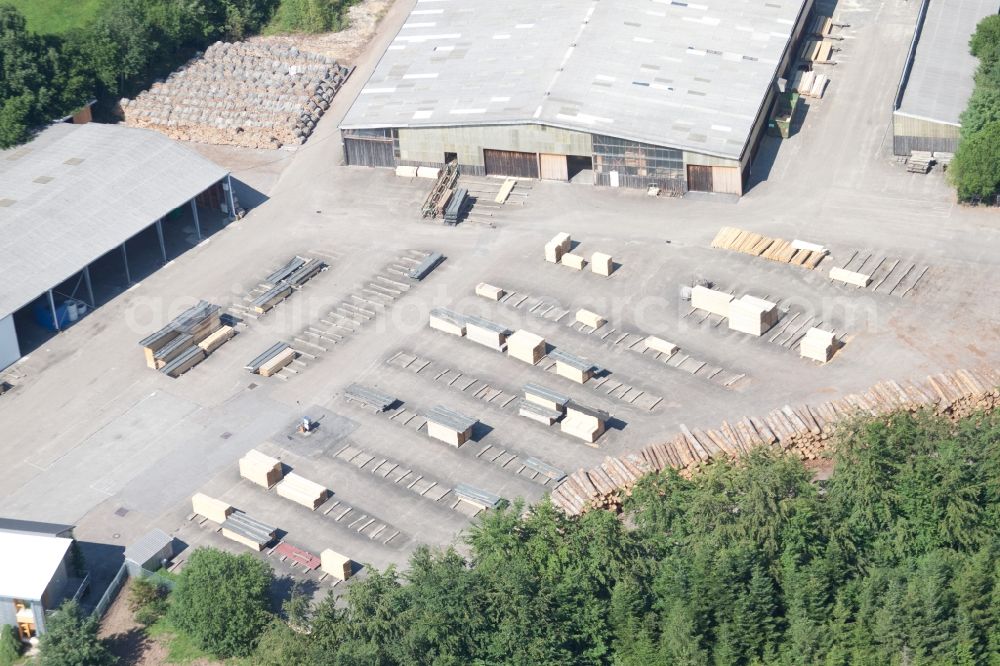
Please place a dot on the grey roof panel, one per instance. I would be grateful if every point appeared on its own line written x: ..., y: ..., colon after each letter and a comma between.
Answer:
x: 450, y: 418
x: 148, y: 546
x: 108, y: 183
x: 32, y: 527
x: 940, y: 80
x: 686, y: 75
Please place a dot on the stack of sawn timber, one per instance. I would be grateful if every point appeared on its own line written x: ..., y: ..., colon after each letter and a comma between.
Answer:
x: 186, y: 340
x: 805, y: 431
x: 920, y: 161
x: 758, y: 245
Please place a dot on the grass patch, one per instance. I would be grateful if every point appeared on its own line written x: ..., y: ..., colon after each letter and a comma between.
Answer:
x: 309, y: 16
x: 55, y: 17
x: 180, y: 648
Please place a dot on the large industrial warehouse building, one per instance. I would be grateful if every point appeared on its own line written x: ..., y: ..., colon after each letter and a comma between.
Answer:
x: 81, y: 209
x: 636, y: 92
x: 938, y: 78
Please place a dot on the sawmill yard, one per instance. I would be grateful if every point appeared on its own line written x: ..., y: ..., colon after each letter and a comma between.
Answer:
x: 93, y: 437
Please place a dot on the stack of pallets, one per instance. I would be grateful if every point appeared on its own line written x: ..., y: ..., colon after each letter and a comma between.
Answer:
x: 775, y: 249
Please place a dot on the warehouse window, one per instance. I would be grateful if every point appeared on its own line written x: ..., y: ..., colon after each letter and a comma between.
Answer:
x: 637, y: 164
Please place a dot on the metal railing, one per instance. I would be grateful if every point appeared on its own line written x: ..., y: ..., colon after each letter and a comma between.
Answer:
x: 109, y: 595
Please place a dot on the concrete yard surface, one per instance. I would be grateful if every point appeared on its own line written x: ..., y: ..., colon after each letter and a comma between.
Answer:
x: 89, y: 431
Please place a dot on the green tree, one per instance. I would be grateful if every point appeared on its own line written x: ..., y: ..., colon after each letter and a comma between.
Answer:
x: 71, y: 639
x: 975, y: 171
x: 221, y: 601
x: 10, y: 646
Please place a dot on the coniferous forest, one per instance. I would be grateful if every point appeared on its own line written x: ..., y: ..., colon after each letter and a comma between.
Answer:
x: 894, y: 559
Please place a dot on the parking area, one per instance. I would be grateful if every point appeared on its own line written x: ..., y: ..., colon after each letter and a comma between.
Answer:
x: 89, y: 430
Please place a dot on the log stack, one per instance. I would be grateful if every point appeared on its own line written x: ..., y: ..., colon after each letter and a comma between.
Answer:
x: 253, y: 95
x: 774, y: 249
x: 805, y: 431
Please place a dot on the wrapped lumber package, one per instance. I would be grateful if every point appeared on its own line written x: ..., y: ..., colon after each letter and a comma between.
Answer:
x: 302, y: 491
x: 660, y: 345
x: 339, y: 566
x: 749, y: 314
x: 817, y: 345
x: 276, y: 362
x: 447, y: 321
x: 553, y: 252
x: 487, y: 333
x: 583, y: 422
x: 572, y: 367
x: 449, y: 426
x: 215, y: 510
x: 526, y: 346
x: 489, y: 291
x: 574, y: 261
x: 714, y: 301
x: 601, y: 264
x: 260, y: 468
x: 591, y: 319
x: 850, y: 277
x: 217, y: 339
x: 546, y: 397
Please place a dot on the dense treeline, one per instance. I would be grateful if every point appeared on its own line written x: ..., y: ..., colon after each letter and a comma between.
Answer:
x: 894, y: 560
x: 127, y: 45
x: 975, y: 170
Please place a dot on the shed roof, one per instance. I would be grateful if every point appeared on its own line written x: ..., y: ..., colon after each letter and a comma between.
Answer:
x: 33, y: 527
x: 940, y: 80
x: 148, y: 546
x: 28, y: 562
x: 690, y: 75
x: 78, y: 191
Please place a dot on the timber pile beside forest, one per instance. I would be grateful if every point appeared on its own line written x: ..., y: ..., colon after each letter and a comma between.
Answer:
x: 805, y: 431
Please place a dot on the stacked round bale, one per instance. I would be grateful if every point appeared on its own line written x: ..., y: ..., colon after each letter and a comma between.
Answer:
x: 246, y: 94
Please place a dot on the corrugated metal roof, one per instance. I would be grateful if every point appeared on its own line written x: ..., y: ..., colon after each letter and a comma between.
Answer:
x: 147, y: 547
x: 78, y: 191
x: 689, y: 75
x: 941, y: 77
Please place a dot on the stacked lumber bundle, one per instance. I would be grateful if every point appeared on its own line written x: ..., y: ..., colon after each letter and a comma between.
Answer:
x: 186, y: 340
x: 810, y: 84
x: 943, y: 158
x: 302, y: 491
x: 817, y: 51
x: 775, y: 249
x: 920, y: 161
x: 253, y: 95
x: 805, y: 431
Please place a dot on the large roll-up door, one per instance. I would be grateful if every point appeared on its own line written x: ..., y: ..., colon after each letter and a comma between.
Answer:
x: 369, y: 152
x: 510, y: 163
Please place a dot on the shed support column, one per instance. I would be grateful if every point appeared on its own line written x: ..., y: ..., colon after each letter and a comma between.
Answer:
x: 55, y: 315
x: 128, y: 276
x: 159, y: 234
x: 90, y: 286
x: 197, y: 223
x: 232, y: 200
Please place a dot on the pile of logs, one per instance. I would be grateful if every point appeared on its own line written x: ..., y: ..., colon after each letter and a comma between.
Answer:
x: 246, y: 94
x: 775, y: 249
x: 805, y: 431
